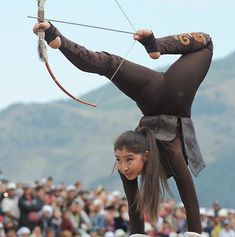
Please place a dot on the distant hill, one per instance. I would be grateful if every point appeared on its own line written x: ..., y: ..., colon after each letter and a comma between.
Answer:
x: 72, y: 142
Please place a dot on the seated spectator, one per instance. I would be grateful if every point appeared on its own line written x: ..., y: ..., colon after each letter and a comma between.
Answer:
x: 181, y: 223
x: 67, y: 223
x: 227, y: 230
x: 10, y: 232
x: 216, y: 227
x: 23, y: 232
x: 9, y: 204
x: 66, y: 233
x: 50, y: 232
x: 120, y: 233
x: 71, y: 193
x: 97, y: 215
x: 165, y: 230
x: 93, y: 232
x: 49, y: 221
x: 122, y: 220
x: 109, y: 234
x: 29, y: 206
x: 36, y: 232
x: 110, y: 213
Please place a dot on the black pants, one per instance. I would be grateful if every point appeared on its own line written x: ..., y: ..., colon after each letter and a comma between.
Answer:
x: 155, y: 93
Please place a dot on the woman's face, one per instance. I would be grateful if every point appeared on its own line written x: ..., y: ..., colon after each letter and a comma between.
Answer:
x: 130, y: 164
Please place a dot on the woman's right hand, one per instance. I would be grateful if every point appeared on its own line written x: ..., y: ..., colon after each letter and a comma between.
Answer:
x: 56, y: 43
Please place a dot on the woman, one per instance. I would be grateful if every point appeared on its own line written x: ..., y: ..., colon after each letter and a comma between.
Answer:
x: 165, y: 100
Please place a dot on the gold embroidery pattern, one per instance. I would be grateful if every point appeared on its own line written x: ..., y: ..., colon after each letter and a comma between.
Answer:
x: 184, y: 39
x: 198, y: 37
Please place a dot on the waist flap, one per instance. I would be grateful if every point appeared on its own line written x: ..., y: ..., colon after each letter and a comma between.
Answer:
x: 163, y: 126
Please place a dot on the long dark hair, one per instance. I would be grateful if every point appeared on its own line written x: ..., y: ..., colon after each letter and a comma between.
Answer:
x: 153, y: 183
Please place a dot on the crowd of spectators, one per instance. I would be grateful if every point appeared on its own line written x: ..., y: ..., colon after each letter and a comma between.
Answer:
x: 43, y: 209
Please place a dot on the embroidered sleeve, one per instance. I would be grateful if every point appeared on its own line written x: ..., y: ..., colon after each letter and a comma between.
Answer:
x: 178, y: 44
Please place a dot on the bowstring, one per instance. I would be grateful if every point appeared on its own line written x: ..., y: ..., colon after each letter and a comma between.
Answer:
x: 124, y: 58
x: 114, y: 74
x: 125, y: 15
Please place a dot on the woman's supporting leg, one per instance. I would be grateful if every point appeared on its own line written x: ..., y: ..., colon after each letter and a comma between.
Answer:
x: 131, y: 190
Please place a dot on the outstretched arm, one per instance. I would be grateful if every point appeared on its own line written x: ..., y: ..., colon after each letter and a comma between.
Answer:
x: 173, y: 44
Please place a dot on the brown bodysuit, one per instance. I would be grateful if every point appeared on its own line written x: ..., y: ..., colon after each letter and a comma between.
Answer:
x: 165, y: 100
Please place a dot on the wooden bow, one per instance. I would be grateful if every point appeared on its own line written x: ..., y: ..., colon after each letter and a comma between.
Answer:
x: 44, y: 58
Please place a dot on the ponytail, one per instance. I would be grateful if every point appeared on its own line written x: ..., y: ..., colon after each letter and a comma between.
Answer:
x: 153, y: 179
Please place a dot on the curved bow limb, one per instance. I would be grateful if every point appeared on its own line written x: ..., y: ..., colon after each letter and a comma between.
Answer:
x: 64, y: 90
x: 44, y: 58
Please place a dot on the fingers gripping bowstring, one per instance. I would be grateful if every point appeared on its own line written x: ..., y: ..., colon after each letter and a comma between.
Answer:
x: 124, y: 58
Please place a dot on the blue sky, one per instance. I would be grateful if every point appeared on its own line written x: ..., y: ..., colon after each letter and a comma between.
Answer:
x: 23, y: 77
